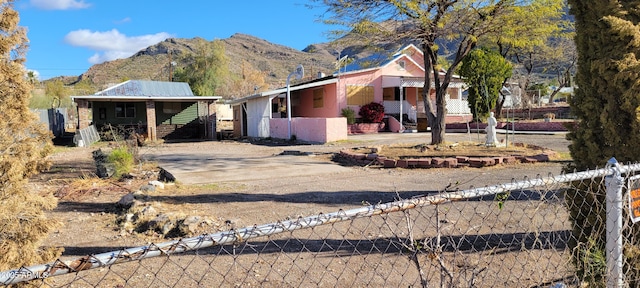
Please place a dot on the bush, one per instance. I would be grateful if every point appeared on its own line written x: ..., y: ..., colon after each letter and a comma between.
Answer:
x: 122, y: 160
x: 350, y: 115
x: 372, y: 112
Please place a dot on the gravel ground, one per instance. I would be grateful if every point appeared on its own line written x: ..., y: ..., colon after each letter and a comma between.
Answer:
x: 90, y: 222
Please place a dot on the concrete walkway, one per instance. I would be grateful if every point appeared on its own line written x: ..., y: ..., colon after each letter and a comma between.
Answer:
x: 230, y: 161
x: 210, y: 162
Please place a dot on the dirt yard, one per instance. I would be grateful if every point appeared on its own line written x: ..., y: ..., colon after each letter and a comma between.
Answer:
x: 93, y: 222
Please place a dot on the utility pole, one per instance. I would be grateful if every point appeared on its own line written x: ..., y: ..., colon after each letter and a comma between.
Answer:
x: 171, y: 64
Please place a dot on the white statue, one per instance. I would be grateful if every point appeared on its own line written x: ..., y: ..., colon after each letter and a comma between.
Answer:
x: 491, y: 130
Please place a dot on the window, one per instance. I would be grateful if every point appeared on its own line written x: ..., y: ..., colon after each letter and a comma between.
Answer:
x: 433, y: 94
x: 125, y: 110
x: 402, y: 64
x: 102, y: 113
x: 388, y: 94
x: 359, y: 95
x: 318, y: 98
x: 393, y: 94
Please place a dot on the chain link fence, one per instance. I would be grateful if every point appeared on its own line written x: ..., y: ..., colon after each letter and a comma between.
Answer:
x: 86, y: 136
x: 542, y: 232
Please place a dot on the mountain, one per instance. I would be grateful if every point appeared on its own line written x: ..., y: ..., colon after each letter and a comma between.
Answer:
x: 154, y: 62
x: 274, y: 61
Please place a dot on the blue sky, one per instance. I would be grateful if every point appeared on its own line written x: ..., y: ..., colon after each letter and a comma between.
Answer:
x: 69, y: 36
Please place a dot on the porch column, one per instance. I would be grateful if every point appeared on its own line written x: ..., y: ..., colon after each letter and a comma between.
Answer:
x: 211, y: 120
x: 151, y: 120
x: 401, y: 103
x: 83, y: 113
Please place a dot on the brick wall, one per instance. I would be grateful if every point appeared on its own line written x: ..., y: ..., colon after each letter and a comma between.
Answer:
x: 83, y: 114
x: 193, y: 130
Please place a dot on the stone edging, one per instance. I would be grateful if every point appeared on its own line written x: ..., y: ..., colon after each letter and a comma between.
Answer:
x: 361, y: 159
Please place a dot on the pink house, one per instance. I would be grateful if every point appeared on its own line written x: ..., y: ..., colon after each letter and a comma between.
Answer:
x: 394, y: 81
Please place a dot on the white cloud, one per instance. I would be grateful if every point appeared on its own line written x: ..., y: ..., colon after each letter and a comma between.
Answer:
x: 60, y: 4
x: 36, y: 73
x: 111, y: 45
x: 124, y: 20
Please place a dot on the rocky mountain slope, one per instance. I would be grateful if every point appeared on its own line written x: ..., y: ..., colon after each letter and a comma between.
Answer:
x: 154, y: 62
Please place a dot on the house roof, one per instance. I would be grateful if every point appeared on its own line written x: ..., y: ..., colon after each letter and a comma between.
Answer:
x: 375, y: 61
x: 143, y: 89
x: 147, y: 88
x: 305, y: 85
x: 378, y: 60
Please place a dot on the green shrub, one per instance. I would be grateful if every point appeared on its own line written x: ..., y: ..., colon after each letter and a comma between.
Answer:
x: 350, y: 115
x: 122, y: 160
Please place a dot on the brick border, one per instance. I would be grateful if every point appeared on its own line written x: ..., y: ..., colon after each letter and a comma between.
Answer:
x: 361, y: 159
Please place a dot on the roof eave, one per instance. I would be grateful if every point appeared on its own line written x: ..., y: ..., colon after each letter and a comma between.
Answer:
x: 140, y: 98
x: 301, y: 86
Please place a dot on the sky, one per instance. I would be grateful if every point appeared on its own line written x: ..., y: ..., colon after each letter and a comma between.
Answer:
x: 67, y: 37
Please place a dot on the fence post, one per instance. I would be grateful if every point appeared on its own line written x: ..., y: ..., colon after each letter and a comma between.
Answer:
x: 614, y: 184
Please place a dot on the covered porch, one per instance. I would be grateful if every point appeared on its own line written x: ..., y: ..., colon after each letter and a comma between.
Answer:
x: 183, y: 118
x: 403, y: 96
x: 313, y: 108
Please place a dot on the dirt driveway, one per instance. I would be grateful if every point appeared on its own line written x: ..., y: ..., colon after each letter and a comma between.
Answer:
x: 238, y: 184
x: 213, y: 162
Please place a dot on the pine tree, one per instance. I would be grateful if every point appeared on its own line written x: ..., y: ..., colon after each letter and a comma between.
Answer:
x: 24, y: 144
x: 607, y: 105
x: 607, y: 98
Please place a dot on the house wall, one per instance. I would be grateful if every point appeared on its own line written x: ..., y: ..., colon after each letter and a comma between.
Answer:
x: 109, y: 117
x: 369, y: 78
x: 224, y: 112
x: 329, y: 107
x: 314, y: 130
x: 258, y: 115
x: 237, y: 121
x: 374, y: 78
x: 183, y: 124
x: 410, y: 69
x: 412, y: 95
x: 187, y: 114
x: 279, y: 128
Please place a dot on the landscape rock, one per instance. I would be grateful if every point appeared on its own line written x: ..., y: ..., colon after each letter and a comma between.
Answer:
x: 139, y: 195
x: 148, y: 211
x: 129, y: 217
x: 157, y: 184
x: 126, y: 201
x: 190, y: 224
x: 166, y: 176
x: 161, y: 224
x: 148, y: 188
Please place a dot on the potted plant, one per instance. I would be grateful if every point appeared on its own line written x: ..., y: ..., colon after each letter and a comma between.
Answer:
x: 350, y: 115
x: 371, y: 115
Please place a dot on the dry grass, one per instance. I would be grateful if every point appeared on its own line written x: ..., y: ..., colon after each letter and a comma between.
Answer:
x: 469, y: 149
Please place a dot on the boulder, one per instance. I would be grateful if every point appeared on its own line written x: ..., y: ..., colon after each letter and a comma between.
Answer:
x: 126, y: 201
x: 148, y: 188
x: 165, y: 176
x: 157, y: 184
x: 190, y: 225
